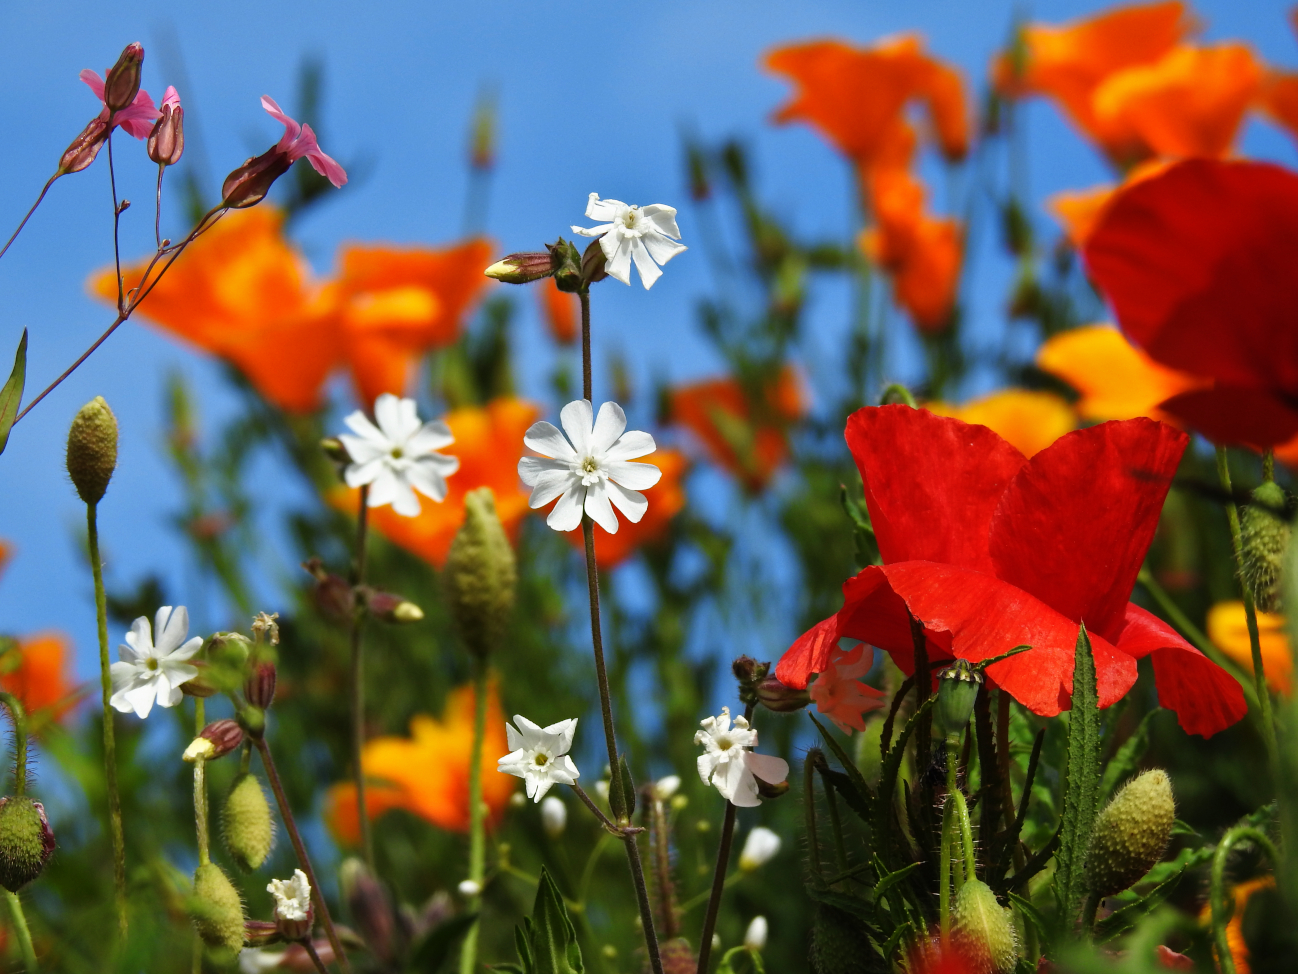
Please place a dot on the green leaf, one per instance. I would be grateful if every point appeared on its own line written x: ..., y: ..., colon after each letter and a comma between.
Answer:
x: 864, y: 796
x: 883, y: 808
x: 863, y: 538
x: 1030, y: 914
x: 1120, y: 921
x: 12, y: 393
x: 887, y: 882
x: 1128, y: 757
x: 553, y: 937
x: 628, y: 788
x: 431, y: 952
x: 1081, y: 791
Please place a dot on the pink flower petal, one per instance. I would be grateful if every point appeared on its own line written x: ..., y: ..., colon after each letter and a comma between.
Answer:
x: 171, y: 97
x: 322, y: 163
x: 292, y: 130
x: 95, y: 82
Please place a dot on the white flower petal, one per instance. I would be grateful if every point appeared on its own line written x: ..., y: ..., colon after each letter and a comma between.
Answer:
x: 566, y: 514
x: 531, y: 731
x: 564, y: 731
x: 428, y: 480
x: 124, y: 675
x: 660, y: 248
x: 126, y: 652
x: 598, y: 231
x: 617, y: 257
x: 631, y: 445
x: 649, y: 272
x: 599, y: 508
x: 404, y: 501
x: 358, y: 475
x: 578, y: 418
x: 547, y: 478
x: 609, y: 425
x: 434, y: 435
x: 365, y: 430
x: 706, y: 766
x: 545, y: 438
x: 139, y: 698
x: 634, y: 476
x: 185, y: 651
x: 663, y: 218
x: 564, y: 770
x: 391, y: 417
x: 631, y: 503
x: 598, y: 209
x: 767, y: 767
x: 384, y: 488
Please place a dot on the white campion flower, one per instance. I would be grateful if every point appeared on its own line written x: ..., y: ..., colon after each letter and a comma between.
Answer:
x: 398, y: 456
x: 554, y: 816
x: 664, y: 788
x: 292, y: 896
x: 755, y: 935
x: 761, y: 846
x: 255, y: 960
x: 647, y: 235
x: 729, y: 764
x: 149, y: 672
x: 539, y: 755
x: 590, y: 469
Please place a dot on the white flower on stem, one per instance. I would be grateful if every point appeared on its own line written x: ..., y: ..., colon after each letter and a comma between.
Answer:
x: 838, y: 692
x: 398, y: 456
x: 755, y: 935
x: 149, y: 672
x: 539, y: 755
x: 761, y: 846
x: 292, y: 896
x: 590, y: 469
x: 554, y: 816
x: 664, y: 788
x: 729, y: 764
x: 647, y: 235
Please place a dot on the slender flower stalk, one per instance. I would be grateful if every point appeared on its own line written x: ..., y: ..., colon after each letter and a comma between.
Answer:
x: 1217, y: 892
x: 477, y: 810
x: 200, y: 788
x: 14, y: 236
x: 19, y: 716
x: 358, y: 681
x: 19, y: 920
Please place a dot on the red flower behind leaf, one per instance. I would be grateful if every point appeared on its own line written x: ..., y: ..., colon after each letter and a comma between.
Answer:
x: 991, y: 550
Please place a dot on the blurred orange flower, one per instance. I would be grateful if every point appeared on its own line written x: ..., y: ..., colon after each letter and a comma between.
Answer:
x: 489, y: 443
x: 559, y: 308
x: 1238, y: 946
x: 1228, y: 630
x: 1029, y: 420
x: 750, y: 444
x: 6, y: 552
x: 1116, y: 380
x: 427, y: 773
x: 39, y: 675
x: 1078, y: 211
x: 666, y: 500
x: 857, y: 97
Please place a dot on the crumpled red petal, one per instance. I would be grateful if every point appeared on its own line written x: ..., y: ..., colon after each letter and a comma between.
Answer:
x: 809, y: 654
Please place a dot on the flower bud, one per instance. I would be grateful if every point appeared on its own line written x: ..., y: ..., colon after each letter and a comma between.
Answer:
x: 956, y: 694
x: 26, y: 841
x: 259, y: 689
x: 1131, y: 834
x: 84, y: 148
x: 246, y: 825
x: 840, y: 943
x: 554, y: 816
x: 469, y: 888
x: 216, y: 909
x: 774, y: 695
x: 217, y: 739
x: 676, y: 954
x: 253, y: 721
x: 92, y: 449
x: 167, y: 140
x: 755, y: 935
x: 522, y: 268
x: 391, y: 608
x: 260, y: 933
x: 592, y: 263
x: 333, y: 448
x: 200, y: 686
x: 123, y: 81
x: 480, y: 574
x: 294, y: 914
x: 371, y: 909
x: 665, y: 788
x: 768, y: 790
x: 1264, y: 536
x: 761, y: 846
x: 982, y: 930
x: 567, y: 265
x: 249, y: 184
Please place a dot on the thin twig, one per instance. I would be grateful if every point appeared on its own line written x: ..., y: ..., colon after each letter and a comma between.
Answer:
x: 477, y: 838
x: 358, y: 680
x: 14, y: 236
x: 315, y: 956
x: 117, y: 219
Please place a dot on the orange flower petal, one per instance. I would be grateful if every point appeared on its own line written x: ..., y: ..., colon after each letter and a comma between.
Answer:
x: 666, y: 500
x: 1228, y: 630
x: 559, y: 308
x: 1029, y: 420
x: 42, y: 678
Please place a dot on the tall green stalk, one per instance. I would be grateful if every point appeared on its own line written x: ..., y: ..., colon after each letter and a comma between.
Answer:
x: 19, y: 715
x: 358, y: 681
x: 477, y: 812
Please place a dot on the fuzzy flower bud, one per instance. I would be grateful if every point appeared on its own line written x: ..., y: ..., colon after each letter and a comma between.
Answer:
x: 217, y: 739
x: 1265, y: 536
x: 216, y: 908
x: 123, y: 81
x: 1131, y: 834
x: 84, y: 148
x: 333, y: 595
x: 568, y: 265
x: 246, y: 824
x: 957, y: 692
x: 983, y: 931
x: 294, y: 914
x: 166, y: 142
x: 92, y: 449
x: 761, y: 846
x: 554, y: 816
x: 755, y: 935
x: 480, y: 574
x: 775, y: 696
x: 522, y: 268
x: 26, y: 841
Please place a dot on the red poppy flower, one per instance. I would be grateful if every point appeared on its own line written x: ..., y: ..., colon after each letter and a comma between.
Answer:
x: 1198, y: 263
x: 991, y: 550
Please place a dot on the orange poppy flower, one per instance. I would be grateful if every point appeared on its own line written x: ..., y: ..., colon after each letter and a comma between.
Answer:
x: 489, y: 443
x: 719, y: 413
x: 922, y: 253
x: 665, y: 502
x: 1228, y: 630
x: 1116, y: 380
x: 427, y: 773
x: 1238, y: 947
x: 6, y: 552
x: 1079, y: 211
x: 1029, y: 420
x: 857, y: 97
x: 559, y: 308
x: 39, y: 676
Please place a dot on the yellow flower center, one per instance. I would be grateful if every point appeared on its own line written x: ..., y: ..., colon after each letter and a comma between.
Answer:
x: 541, y: 760
x: 589, y: 465
x: 151, y: 663
x: 397, y: 454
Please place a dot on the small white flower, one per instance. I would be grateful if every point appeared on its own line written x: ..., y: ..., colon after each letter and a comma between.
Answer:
x: 469, y: 888
x: 593, y: 472
x: 554, y: 816
x: 292, y: 896
x: 601, y: 790
x: 647, y: 235
x: 255, y: 960
x: 664, y: 788
x: 539, y: 755
x: 755, y: 935
x: 148, y: 672
x: 398, y: 456
x: 761, y: 846
x: 728, y: 763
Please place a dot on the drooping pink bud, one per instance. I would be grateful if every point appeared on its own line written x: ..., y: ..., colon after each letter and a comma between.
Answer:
x: 167, y: 140
x: 249, y: 184
x: 224, y: 735
x: 123, y: 81
x: 774, y: 695
x: 81, y: 153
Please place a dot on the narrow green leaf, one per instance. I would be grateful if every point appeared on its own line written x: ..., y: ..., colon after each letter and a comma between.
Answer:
x: 554, y: 938
x: 11, y: 396
x: 431, y: 952
x: 1081, y: 794
x: 1030, y: 914
x: 628, y: 787
x: 863, y: 538
x: 892, y: 879
x: 1125, y: 761
x: 1120, y: 921
x: 883, y: 808
x: 862, y: 787
x: 842, y: 784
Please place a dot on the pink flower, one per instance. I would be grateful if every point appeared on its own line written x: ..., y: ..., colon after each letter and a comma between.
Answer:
x: 299, y: 141
x: 838, y: 692
x: 138, y: 118
x: 172, y: 97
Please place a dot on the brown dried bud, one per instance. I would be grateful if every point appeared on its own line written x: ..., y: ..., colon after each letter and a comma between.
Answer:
x: 521, y: 268
x: 592, y: 263
x: 372, y: 909
x: 167, y: 140
x: 774, y: 695
x: 123, y: 81
x: 260, y: 686
x: 749, y: 672
x: 81, y: 153
x: 249, y: 184
x: 769, y: 790
x: 217, y: 739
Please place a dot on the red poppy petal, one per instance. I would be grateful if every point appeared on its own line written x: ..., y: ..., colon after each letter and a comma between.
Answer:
x: 1231, y: 415
x: 1198, y: 265
x: 809, y: 654
x: 1205, y: 697
x: 1074, y: 525
x: 982, y: 616
x: 931, y: 483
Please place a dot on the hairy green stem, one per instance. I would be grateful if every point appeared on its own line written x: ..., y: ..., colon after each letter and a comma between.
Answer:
x: 24, y: 934
x: 200, y: 788
x: 1216, y: 894
x: 358, y: 681
x: 477, y: 818
x: 18, y: 714
x: 897, y: 394
x: 944, y: 869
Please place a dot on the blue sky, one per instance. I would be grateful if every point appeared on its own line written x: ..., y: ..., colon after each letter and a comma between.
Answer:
x: 592, y: 97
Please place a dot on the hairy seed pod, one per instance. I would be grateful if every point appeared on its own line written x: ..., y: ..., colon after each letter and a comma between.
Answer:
x: 246, y: 824
x: 1265, y: 537
x: 92, y: 449
x: 1131, y: 834
x: 982, y: 930
x: 216, y: 909
x: 480, y: 574
x: 26, y: 841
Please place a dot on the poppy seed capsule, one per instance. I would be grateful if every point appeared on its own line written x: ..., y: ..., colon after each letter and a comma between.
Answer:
x: 1264, y: 534
x: 983, y: 931
x: 1131, y: 834
x: 216, y: 909
x: 246, y: 825
x: 92, y: 449
x: 26, y: 841
x: 480, y: 574
x: 956, y: 695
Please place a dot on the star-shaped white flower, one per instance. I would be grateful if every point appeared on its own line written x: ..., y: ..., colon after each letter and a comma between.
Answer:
x: 539, y: 755
x: 149, y: 672
x: 292, y: 896
x: 593, y: 472
x: 398, y: 456
x: 647, y: 235
x: 729, y: 765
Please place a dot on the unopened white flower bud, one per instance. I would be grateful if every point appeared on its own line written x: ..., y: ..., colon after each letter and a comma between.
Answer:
x: 469, y: 888
x: 761, y: 846
x: 601, y: 789
x: 554, y: 816
x: 755, y: 935
x: 666, y: 787
x: 517, y: 800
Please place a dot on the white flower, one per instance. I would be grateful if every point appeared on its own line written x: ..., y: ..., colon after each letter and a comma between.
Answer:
x: 761, y: 846
x: 593, y: 472
x: 554, y: 816
x: 755, y: 935
x: 729, y: 765
x: 398, y: 456
x: 147, y: 672
x: 469, y: 888
x: 648, y: 235
x: 539, y: 755
x: 664, y: 788
x: 292, y: 896
x: 254, y: 960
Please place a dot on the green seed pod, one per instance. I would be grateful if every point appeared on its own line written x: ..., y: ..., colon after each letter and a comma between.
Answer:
x: 216, y: 908
x: 480, y: 574
x: 246, y: 824
x: 983, y: 931
x: 26, y: 841
x: 957, y: 692
x: 92, y: 449
x: 840, y: 944
x: 1131, y: 834
x: 1265, y: 536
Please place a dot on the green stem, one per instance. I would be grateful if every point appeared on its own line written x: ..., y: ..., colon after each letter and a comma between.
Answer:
x: 19, y: 716
x: 944, y: 869
x: 897, y: 393
x: 809, y: 811
x: 24, y: 934
x: 1250, y: 615
x: 110, y: 744
x: 200, y: 789
x: 358, y: 683
x: 1088, y: 913
x: 477, y: 819
x: 1216, y: 895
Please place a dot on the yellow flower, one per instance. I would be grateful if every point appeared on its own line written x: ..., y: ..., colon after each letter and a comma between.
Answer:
x: 1029, y: 420
x: 1228, y: 630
